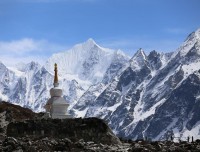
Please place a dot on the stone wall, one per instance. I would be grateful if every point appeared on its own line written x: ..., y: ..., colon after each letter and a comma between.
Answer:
x: 88, y: 129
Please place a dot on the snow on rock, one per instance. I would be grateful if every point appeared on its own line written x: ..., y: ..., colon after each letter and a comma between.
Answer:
x: 151, y: 96
x: 191, y: 40
x: 138, y: 60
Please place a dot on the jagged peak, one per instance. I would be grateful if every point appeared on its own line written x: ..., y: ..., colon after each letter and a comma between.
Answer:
x: 138, y: 60
x: 2, y: 66
x: 91, y: 41
x: 32, y: 65
x: 139, y: 54
x: 153, y: 53
x: 21, y: 66
x: 193, y: 36
x: 192, y: 39
x: 87, y: 45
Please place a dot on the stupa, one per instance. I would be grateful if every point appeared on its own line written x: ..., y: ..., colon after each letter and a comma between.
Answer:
x: 56, y: 106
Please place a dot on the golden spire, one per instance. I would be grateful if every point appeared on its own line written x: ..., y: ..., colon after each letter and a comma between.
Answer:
x: 56, y: 74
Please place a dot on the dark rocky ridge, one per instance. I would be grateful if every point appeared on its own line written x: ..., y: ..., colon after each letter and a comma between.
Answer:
x: 21, y: 123
x: 88, y: 129
x: 27, y: 131
x: 10, y: 112
x: 15, y: 112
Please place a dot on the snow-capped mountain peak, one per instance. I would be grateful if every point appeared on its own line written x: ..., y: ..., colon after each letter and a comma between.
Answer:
x: 32, y: 66
x: 91, y: 42
x: 85, y: 46
x: 193, y: 36
x: 140, y: 54
x: 191, y: 40
x: 138, y: 60
x: 86, y: 62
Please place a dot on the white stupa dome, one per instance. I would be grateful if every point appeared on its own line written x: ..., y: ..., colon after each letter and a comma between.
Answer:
x: 57, y: 106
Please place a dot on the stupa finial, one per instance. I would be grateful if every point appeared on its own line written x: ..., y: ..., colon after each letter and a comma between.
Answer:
x: 56, y: 75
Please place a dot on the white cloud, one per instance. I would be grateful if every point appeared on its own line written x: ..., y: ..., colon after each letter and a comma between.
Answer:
x: 26, y: 50
x: 20, y: 47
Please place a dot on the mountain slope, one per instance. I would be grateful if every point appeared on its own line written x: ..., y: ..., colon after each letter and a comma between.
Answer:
x: 156, y: 95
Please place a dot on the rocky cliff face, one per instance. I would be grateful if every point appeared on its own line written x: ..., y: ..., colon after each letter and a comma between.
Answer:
x: 88, y: 129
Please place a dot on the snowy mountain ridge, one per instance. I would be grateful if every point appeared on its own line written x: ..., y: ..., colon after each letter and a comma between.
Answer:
x: 87, y: 62
x: 154, y: 95
x: 79, y: 68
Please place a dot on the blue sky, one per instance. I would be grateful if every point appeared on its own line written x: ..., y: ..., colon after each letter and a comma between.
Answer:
x: 35, y: 29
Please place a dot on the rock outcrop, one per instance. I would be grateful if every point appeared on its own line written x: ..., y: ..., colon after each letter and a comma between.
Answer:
x: 22, y: 129
x: 88, y: 129
x: 10, y: 113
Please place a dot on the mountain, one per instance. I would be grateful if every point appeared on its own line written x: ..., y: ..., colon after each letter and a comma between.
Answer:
x: 86, y: 62
x: 151, y: 96
x: 156, y: 96
x: 80, y: 67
